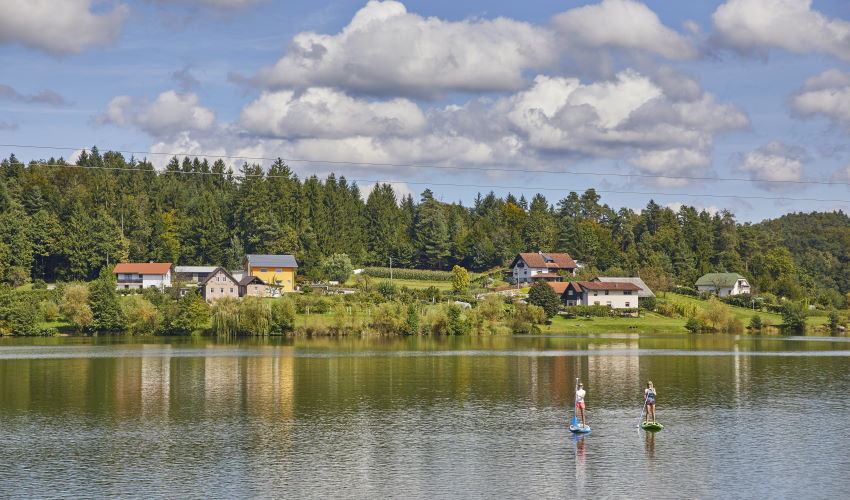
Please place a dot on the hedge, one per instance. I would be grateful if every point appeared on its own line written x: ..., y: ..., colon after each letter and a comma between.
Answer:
x: 408, y: 274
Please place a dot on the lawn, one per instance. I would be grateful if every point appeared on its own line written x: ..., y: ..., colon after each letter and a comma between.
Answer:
x: 647, y: 323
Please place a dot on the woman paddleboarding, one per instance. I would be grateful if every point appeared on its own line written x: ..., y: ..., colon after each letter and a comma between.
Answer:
x: 649, y: 395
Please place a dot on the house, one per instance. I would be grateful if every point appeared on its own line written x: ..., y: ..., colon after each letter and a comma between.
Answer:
x: 529, y: 267
x: 132, y: 276
x: 252, y: 286
x: 192, y: 274
x: 642, y: 293
x: 616, y: 294
x: 219, y: 284
x: 276, y: 270
x: 723, y: 284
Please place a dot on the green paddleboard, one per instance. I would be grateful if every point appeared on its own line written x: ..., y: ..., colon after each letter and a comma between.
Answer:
x: 651, y: 427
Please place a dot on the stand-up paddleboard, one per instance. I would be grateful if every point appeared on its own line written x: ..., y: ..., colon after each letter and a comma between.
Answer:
x: 651, y: 426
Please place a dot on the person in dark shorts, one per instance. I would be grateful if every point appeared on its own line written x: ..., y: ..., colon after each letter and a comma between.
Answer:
x: 580, y: 394
x: 649, y: 397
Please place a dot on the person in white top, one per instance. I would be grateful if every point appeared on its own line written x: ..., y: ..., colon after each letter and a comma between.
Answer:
x: 580, y: 394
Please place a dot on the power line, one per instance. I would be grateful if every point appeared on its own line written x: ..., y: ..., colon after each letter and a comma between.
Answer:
x: 448, y: 167
x: 452, y: 184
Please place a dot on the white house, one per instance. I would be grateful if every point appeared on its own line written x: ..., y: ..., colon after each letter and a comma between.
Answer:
x: 132, y: 275
x: 723, y: 284
x: 642, y: 293
x: 529, y: 267
x: 617, y: 294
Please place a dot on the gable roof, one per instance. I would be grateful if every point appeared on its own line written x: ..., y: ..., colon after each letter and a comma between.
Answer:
x: 559, y: 286
x: 194, y: 269
x: 142, y: 268
x: 644, y: 290
x: 609, y: 285
x: 256, y: 260
x: 214, y: 273
x: 723, y: 280
x: 547, y: 260
x: 247, y: 280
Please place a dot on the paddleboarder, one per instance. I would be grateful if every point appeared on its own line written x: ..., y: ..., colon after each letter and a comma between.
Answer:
x: 649, y: 398
x: 580, y: 394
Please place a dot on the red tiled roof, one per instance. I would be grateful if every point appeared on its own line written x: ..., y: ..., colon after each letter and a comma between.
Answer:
x: 142, y: 268
x: 559, y: 286
x: 559, y: 260
x: 609, y: 285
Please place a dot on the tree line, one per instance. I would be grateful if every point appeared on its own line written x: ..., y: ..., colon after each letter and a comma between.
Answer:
x: 64, y: 223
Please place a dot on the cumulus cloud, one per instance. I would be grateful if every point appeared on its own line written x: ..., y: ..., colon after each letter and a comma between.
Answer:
x: 775, y: 163
x: 401, y: 189
x: 386, y: 50
x: 63, y: 27
x: 622, y: 24
x: 677, y: 205
x: 756, y: 26
x: 326, y: 113
x: 827, y: 94
x: 556, y: 121
x: 170, y: 113
x: 43, y: 97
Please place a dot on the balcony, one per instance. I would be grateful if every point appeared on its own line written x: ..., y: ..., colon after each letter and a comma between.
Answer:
x: 128, y: 281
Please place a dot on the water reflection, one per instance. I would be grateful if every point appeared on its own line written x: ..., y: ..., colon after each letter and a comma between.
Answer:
x: 402, y: 417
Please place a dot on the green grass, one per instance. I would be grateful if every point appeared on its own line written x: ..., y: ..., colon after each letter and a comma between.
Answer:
x: 740, y: 313
x: 647, y: 323
x: 439, y: 285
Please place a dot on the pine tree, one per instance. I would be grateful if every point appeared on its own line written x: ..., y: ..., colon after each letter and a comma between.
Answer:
x: 105, y: 304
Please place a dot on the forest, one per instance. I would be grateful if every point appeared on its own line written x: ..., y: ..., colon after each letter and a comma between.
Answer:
x: 62, y: 222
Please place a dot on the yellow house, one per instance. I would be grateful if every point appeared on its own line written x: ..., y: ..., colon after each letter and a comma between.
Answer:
x: 276, y: 270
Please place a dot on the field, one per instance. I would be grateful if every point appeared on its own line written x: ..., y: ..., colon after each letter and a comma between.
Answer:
x: 647, y: 323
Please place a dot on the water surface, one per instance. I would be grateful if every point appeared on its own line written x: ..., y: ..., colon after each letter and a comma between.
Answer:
x: 423, y: 417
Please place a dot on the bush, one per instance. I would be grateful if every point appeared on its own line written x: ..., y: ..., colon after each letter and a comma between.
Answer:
x: 75, y: 306
x: 457, y: 322
x: 833, y: 320
x: 716, y: 315
x: 408, y: 274
x: 255, y: 316
x: 142, y: 317
x: 387, y: 289
x: 525, y: 319
x: 756, y: 323
x: 50, y: 310
x: 541, y: 294
x: 665, y: 310
x: 793, y: 317
x: 39, y: 284
x: 694, y: 325
x: 684, y: 290
x: 460, y: 279
x: 337, y: 267
x: 648, y: 303
x: 599, y: 311
x: 283, y: 315
x: 389, y: 318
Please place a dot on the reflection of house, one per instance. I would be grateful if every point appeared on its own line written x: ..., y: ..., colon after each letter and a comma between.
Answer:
x: 192, y: 274
x: 528, y: 267
x: 275, y: 270
x: 643, y: 292
x: 617, y: 294
x: 723, y: 284
x: 140, y: 275
x: 219, y: 284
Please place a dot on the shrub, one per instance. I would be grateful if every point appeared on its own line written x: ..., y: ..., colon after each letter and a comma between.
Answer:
x: 525, y: 318
x: 387, y: 289
x: 457, y: 322
x: 337, y: 267
x: 254, y: 316
x: 599, y: 311
x: 833, y: 320
x: 755, y: 323
x: 389, y: 318
x: 492, y: 308
x: 716, y: 315
x: 541, y: 294
x: 648, y: 303
x: 665, y: 310
x: 283, y: 315
x: 694, y: 325
x: 50, y: 310
x: 75, y: 306
x: 793, y: 317
x: 141, y: 315
x: 460, y: 279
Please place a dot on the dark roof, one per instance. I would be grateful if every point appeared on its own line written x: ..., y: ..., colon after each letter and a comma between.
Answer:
x: 247, y: 280
x: 644, y: 290
x: 547, y: 260
x: 212, y: 275
x: 609, y: 285
x: 723, y: 280
x: 271, y: 260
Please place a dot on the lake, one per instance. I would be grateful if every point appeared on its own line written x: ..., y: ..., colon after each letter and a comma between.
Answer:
x: 467, y: 417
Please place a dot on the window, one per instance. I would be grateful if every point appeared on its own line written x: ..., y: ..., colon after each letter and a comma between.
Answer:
x: 256, y: 289
x: 606, y: 292
x: 278, y: 270
x: 222, y: 290
x: 231, y: 290
x: 627, y: 292
x: 264, y: 270
x: 126, y: 287
x: 628, y: 304
x: 569, y: 292
x: 595, y: 294
x: 608, y: 303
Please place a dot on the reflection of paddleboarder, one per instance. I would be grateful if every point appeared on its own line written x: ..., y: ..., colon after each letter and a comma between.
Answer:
x: 650, y: 444
x: 580, y: 395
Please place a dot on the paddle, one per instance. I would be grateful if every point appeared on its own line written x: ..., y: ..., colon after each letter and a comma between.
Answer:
x: 575, y: 406
x: 643, y: 409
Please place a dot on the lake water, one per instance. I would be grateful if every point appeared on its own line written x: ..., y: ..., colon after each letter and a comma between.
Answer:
x: 423, y: 417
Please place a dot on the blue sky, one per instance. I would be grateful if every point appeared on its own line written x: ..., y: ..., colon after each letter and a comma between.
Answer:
x: 514, y: 97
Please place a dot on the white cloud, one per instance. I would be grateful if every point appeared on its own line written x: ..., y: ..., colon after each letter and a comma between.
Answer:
x: 326, y: 113
x: 756, y: 26
x: 386, y: 50
x: 827, y: 94
x: 59, y: 27
x: 677, y: 205
x: 401, y: 190
x: 622, y: 24
x: 776, y: 162
x: 169, y: 114
x: 677, y: 162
